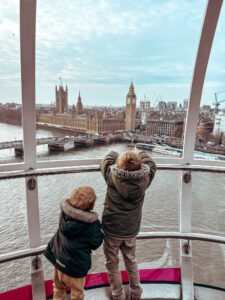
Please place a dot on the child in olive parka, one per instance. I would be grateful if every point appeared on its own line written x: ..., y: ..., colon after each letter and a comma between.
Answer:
x: 127, y: 177
x: 69, y: 250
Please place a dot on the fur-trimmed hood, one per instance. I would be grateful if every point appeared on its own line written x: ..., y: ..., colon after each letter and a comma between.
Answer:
x: 78, y: 214
x: 144, y: 171
x: 131, y: 184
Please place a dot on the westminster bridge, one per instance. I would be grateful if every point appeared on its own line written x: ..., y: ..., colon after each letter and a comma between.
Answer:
x: 58, y: 143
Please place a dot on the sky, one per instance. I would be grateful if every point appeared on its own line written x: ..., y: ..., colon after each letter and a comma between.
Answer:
x: 98, y: 46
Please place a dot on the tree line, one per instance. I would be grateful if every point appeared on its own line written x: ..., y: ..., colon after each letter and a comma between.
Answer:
x: 10, y: 115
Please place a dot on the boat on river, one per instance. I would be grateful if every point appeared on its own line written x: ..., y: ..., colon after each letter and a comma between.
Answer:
x: 160, y: 283
x: 144, y: 146
x: 167, y: 150
x: 207, y: 156
x: 178, y: 152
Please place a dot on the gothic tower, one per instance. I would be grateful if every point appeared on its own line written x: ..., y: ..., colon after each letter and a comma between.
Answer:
x: 79, y: 107
x: 61, y: 99
x: 130, y: 109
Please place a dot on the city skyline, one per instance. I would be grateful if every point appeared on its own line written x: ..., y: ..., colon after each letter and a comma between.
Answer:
x: 99, y: 47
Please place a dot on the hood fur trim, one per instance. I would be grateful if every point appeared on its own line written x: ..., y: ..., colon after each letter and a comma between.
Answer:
x: 145, y: 170
x: 78, y: 214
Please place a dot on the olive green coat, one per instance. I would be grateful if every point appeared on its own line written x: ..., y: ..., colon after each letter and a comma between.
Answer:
x: 125, y: 195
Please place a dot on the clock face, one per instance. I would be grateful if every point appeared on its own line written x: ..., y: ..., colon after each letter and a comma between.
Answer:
x: 133, y: 100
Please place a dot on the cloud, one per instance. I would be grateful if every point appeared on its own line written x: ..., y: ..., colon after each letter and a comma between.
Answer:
x: 97, y: 44
x: 213, y: 84
x: 83, y: 20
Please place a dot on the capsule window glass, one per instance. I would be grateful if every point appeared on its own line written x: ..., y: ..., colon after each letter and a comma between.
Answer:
x: 208, y: 218
x: 160, y: 213
x: 11, y: 137
x: 113, y: 75
x: 53, y: 190
x: 210, y: 134
x: 14, y: 232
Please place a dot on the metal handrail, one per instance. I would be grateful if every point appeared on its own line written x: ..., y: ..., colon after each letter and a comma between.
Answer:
x: 95, y: 168
x: 141, y: 236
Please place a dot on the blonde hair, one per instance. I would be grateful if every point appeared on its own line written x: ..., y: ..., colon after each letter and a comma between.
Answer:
x: 129, y: 161
x: 83, y: 198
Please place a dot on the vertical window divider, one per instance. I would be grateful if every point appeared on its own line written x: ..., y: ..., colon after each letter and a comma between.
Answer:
x: 211, y: 17
x: 205, y: 44
x: 27, y: 46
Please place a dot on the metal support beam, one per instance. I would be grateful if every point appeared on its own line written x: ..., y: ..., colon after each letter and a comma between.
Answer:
x: 141, y: 236
x: 187, y: 288
x: 205, y: 44
x: 37, y: 277
x: 27, y: 46
x: 95, y: 168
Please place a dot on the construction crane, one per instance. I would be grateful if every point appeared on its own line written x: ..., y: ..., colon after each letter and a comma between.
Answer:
x: 217, y: 103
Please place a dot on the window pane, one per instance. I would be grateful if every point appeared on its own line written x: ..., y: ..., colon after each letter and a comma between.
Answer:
x: 210, y: 137
x: 14, y: 233
x: 10, y: 81
x: 209, y: 263
x: 208, y: 218
x: 52, y: 190
x: 160, y: 213
x: 14, y: 274
x: 104, y: 70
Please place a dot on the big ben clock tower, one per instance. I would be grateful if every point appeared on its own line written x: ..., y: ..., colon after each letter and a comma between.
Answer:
x: 130, y: 109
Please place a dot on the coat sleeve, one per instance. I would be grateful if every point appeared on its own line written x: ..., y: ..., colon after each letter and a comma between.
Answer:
x: 146, y: 159
x: 97, y: 236
x: 107, y: 161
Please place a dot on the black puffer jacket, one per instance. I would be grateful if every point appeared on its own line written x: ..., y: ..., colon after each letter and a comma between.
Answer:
x: 79, y: 232
x: 125, y: 195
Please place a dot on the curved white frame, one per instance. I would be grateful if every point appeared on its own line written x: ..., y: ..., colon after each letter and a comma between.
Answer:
x: 27, y: 38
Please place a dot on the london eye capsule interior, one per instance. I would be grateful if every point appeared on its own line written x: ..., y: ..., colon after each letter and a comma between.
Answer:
x: 102, y: 51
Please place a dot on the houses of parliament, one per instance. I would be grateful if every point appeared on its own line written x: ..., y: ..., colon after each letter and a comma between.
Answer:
x: 89, y: 120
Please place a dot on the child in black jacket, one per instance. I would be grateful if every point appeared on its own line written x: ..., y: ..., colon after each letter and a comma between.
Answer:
x: 69, y: 250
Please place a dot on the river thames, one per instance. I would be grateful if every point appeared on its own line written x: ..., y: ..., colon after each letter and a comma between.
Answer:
x: 160, y: 213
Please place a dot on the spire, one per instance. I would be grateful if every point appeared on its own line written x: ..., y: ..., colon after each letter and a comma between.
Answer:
x: 131, y: 89
x: 131, y: 84
x: 79, y: 98
x: 79, y: 107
